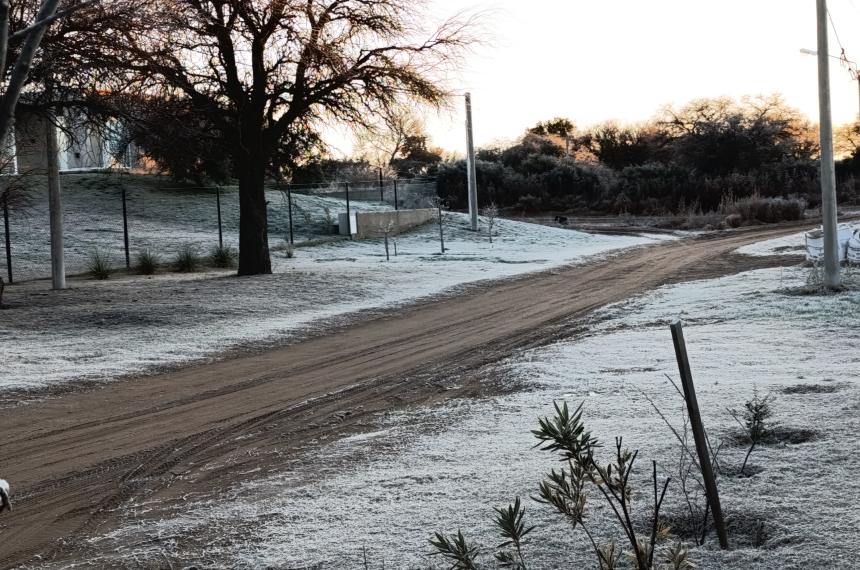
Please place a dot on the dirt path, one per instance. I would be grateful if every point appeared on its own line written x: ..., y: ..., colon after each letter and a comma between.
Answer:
x: 74, y: 459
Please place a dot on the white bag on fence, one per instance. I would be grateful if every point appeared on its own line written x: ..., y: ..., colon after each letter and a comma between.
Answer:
x: 815, y: 243
x: 853, y: 250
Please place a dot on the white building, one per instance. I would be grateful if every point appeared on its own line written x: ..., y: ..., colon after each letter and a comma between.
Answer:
x: 81, y: 146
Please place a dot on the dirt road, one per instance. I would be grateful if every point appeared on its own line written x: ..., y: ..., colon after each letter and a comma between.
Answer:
x: 74, y: 459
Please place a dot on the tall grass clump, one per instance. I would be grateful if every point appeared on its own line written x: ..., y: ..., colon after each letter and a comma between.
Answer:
x: 187, y: 260
x: 99, y: 265
x: 758, y: 209
x: 223, y: 256
x: 147, y: 262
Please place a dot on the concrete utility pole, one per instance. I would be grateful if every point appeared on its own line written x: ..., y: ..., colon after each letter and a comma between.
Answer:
x: 55, y: 204
x: 472, y: 183
x: 828, y: 171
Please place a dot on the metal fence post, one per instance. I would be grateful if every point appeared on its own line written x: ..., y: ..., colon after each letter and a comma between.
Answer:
x: 218, y: 205
x: 396, y: 207
x: 348, y: 224
x: 441, y: 234
x: 699, y: 432
x: 290, y: 209
x: 125, y: 229
x: 381, y: 187
x: 8, y: 241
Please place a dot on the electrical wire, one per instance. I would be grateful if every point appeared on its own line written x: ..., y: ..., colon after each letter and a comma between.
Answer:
x: 843, y: 58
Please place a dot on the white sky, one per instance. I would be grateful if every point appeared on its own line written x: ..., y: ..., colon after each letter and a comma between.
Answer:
x: 593, y: 60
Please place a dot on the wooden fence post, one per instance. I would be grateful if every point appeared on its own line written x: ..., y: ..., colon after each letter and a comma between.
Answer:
x: 699, y: 432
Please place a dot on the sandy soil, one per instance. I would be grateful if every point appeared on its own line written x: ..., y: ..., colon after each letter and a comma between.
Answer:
x: 75, y: 459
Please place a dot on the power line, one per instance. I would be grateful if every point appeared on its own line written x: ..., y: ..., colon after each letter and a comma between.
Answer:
x: 835, y: 33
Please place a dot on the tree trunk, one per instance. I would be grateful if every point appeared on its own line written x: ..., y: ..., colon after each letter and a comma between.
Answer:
x: 253, y: 218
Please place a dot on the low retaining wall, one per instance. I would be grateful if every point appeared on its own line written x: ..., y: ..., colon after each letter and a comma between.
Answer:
x: 373, y: 224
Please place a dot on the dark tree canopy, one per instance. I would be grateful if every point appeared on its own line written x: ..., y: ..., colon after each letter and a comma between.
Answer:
x: 618, y: 146
x: 559, y: 127
x: 720, y: 136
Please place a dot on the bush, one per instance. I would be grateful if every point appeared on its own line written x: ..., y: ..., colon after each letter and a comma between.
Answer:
x: 223, y: 256
x: 567, y: 492
x: 756, y: 209
x: 99, y: 265
x: 147, y: 262
x: 187, y: 260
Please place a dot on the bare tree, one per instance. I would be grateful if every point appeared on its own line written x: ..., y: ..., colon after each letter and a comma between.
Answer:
x: 381, y: 144
x: 267, y: 74
x: 490, y: 213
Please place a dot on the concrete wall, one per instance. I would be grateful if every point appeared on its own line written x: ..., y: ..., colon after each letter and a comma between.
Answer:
x: 30, y: 143
x: 372, y: 224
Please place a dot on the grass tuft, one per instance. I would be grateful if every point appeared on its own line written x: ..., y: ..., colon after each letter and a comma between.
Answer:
x: 99, y: 265
x: 223, y: 256
x: 187, y: 260
x: 147, y: 262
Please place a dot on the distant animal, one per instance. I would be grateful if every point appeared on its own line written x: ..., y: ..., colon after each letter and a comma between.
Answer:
x: 4, y: 496
x: 561, y: 220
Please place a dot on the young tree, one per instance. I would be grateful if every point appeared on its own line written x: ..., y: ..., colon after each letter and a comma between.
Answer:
x: 490, y: 213
x: 268, y: 73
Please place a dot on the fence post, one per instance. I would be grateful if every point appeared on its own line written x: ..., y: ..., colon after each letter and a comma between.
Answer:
x: 698, y: 432
x: 396, y: 207
x: 381, y: 187
x: 218, y: 205
x: 125, y: 229
x: 348, y: 224
x: 290, y: 209
x: 441, y: 235
x: 8, y: 241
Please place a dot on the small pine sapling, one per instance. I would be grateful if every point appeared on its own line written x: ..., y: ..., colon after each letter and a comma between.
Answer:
x: 754, y: 419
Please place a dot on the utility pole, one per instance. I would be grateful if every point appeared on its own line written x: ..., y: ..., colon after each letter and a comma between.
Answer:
x: 471, y: 181
x: 828, y: 171
x: 55, y: 204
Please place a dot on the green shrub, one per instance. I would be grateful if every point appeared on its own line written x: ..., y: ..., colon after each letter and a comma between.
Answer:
x: 147, y: 262
x: 223, y: 256
x: 187, y: 260
x: 99, y: 265
x: 567, y: 492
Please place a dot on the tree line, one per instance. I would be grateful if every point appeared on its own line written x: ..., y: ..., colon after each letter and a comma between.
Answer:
x: 692, y: 157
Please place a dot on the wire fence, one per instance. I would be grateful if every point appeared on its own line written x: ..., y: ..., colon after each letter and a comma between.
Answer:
x: 121, y: 216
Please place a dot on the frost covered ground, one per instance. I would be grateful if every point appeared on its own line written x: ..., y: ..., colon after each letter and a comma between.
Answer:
x: 99, y: 330
x: 792, y: 244
x: 445, y: 468
x: 163, y: 217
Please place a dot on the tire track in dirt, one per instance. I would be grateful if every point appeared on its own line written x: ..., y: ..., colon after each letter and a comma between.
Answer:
x: 76, y: 459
